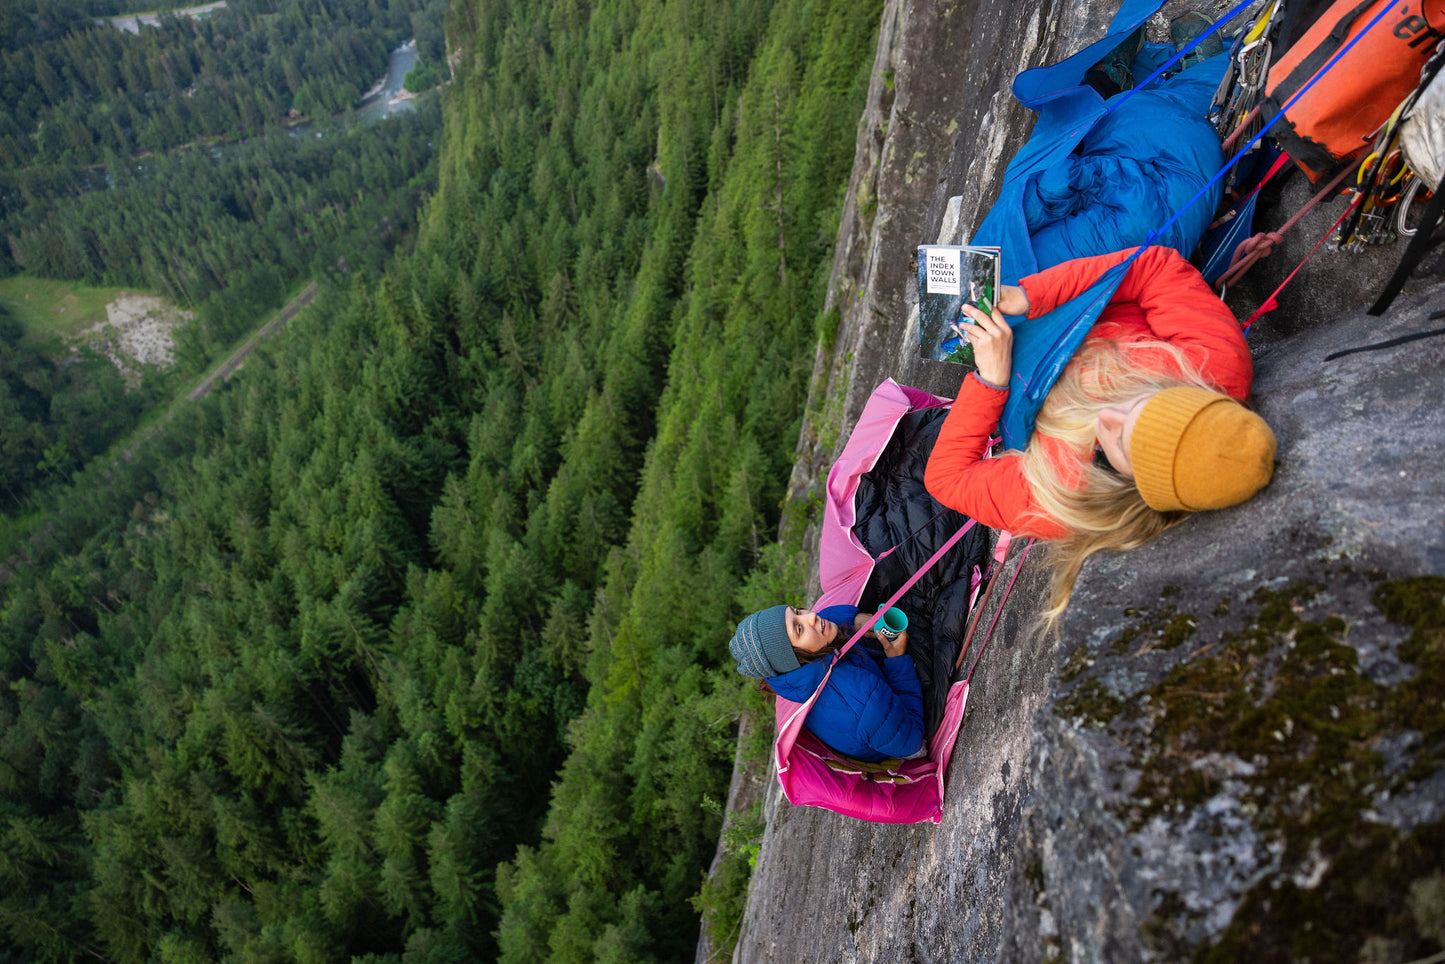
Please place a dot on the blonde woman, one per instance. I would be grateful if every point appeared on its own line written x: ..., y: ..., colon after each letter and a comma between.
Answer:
x: 1143, y: 426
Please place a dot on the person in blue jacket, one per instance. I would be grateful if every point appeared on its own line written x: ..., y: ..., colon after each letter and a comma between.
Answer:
x: 871, y: 709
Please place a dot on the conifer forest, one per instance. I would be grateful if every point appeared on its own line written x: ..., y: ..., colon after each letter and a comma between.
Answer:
x: 408, y: 643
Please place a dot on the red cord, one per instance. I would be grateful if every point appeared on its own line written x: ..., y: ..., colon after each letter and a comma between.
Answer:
x: 988, y: 635
x: 1270, y: 304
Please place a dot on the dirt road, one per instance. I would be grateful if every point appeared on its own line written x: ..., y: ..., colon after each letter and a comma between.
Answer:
x: 132, y: 23
x: 229, y: 366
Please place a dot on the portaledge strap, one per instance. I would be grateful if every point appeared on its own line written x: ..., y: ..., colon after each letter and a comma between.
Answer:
x: 872, y: 620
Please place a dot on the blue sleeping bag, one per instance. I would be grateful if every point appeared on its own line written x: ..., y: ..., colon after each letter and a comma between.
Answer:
x: 1098, y: 176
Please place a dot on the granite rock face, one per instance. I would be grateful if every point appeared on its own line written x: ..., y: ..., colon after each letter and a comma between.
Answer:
x: 1235, y: 749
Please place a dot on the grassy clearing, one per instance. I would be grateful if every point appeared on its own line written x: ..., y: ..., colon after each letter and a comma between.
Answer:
x: 54, y: 309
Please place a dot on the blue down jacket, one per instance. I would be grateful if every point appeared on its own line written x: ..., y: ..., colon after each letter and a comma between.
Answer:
x: 871, y: 709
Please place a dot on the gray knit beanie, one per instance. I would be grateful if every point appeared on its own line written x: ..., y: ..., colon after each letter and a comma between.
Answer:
x: 761, y: 645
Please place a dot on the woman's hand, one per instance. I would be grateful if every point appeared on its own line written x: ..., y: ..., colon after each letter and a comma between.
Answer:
x: 891, y: 647
x: 992, y: 340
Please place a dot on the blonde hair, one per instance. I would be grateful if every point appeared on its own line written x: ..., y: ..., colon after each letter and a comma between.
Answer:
x: 1106, y: 511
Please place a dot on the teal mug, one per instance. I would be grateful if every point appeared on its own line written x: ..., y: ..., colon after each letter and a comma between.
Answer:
x: 891, y: 623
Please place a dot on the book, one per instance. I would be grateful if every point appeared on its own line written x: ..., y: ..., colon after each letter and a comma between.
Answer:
x: 950, y: 275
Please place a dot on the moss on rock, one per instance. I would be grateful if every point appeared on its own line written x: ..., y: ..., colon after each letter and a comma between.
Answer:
x: 1090, y: 704
x: 1286, y: 698
x: 1161, y: 628
x: 1079, y: 660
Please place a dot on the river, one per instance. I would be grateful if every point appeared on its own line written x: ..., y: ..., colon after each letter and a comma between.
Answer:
x: 387, y: 97
x: 382, y: 100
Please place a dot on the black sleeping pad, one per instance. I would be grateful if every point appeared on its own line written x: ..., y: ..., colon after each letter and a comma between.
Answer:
x: 895, y: 509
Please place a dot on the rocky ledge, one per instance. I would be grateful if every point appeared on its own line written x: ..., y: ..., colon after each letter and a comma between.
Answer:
x: 1235, y: 749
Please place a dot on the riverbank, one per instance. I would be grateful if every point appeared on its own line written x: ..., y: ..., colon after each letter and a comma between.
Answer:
x: 388, y: 95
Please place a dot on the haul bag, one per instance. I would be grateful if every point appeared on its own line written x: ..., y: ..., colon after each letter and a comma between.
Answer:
x: 1335, y: 118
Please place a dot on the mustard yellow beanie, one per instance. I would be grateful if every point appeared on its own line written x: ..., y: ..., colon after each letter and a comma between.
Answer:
x: 1194, y: 449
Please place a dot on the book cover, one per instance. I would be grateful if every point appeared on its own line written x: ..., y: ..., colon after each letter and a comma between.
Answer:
x: 950, y: 275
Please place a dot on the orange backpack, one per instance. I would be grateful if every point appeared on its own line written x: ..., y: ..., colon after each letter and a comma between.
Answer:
x: 1335, y: 118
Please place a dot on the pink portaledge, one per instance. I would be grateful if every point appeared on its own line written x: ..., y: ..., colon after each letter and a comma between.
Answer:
x: 813, y: 775
x: 844, y: 565
x: 810, y: 773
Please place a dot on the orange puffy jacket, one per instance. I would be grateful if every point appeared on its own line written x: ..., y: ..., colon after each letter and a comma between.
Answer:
x: 1162, y: 298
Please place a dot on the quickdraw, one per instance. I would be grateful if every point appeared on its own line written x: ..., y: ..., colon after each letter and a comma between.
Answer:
x: 1405, y: 225
x: 1379, y: 184
x: 1386, y: 185
x: 1234, y: 111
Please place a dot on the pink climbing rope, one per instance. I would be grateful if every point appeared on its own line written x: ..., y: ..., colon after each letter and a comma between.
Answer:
x: 893, y: 599
x: 1253, y: 249
x: 1233, y: 138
